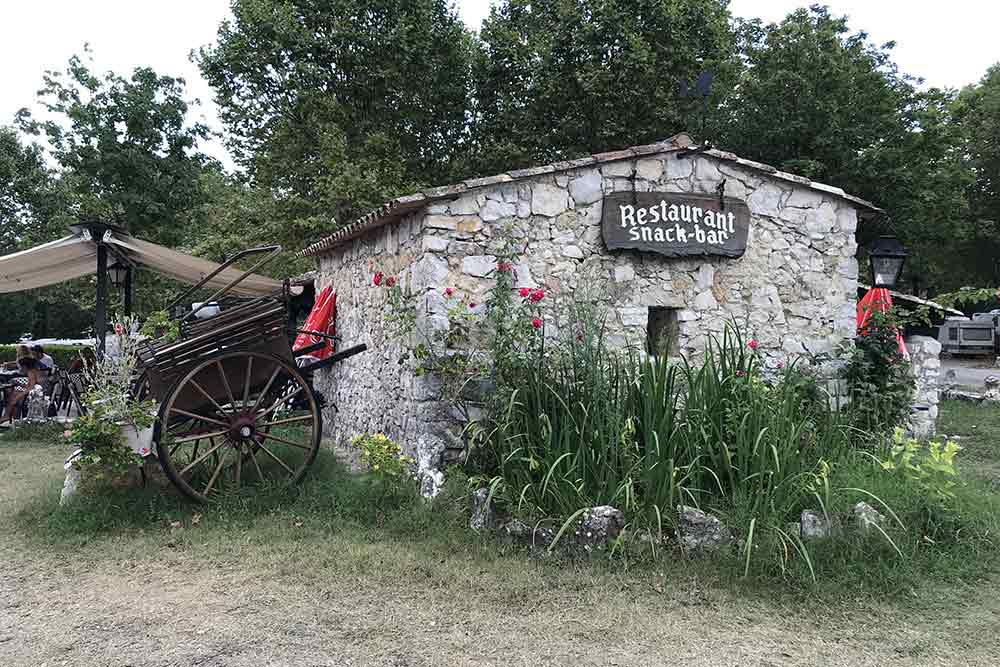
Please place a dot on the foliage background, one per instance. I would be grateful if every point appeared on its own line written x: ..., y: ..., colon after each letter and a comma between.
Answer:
x: 331, y: 108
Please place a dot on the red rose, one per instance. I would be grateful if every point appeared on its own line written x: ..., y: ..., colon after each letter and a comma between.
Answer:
x: 119, y: 329
x: 504, y: 267
x: 524, y: 292
x: 390, y: 281
x: 537, y: 295
x: 537, y: 323
x: 449, y: 291
x: 377, y: 279
x: 753, y: 344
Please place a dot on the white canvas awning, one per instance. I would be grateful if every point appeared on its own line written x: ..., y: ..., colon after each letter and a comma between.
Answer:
x: 76, y: 256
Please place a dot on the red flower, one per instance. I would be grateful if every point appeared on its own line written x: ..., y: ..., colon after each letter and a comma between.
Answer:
x: 449, y: 291
x: 781, y: 364
x: 753, y: 344
x: 471, y: 306
x: 119, y: 329
x: 739, y: 374
x: 537, y: 323
x: 504, y: 267
x: 377, y: 278
x: 524, y: 292
x: 390, y: 281
x: 537, y: 295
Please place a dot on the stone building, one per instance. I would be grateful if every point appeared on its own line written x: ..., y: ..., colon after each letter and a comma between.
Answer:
x: 681, y: 238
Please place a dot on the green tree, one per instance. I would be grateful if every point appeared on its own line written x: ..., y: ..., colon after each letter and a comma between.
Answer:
x: 29, y: 195
x: 561, y: 78
x: 333, y: 107
x: 125, y: 152
x: 818, y: 100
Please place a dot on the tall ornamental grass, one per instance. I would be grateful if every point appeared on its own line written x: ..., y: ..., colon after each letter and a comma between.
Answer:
x: 586, y: 425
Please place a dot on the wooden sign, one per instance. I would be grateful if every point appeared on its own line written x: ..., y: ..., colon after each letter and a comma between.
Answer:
x: 675, y: 225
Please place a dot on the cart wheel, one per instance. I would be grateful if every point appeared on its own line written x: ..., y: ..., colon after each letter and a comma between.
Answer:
x: 238, y: 419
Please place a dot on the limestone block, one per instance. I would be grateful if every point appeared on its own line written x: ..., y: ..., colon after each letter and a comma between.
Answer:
x: 624, y: 274
x: 448, y: 222
x: 572, y: 251
x: 633, y: 316
x: 590, y: 215
x: 705, y: 278
x: 821, y: 222
x: 705, y: 301
x: 707, y: 170
x: 847, y: 220
x: 586, y: 189
x: 430, y: 272
x: 548, y: 200
x: 649, y: 169
x: 466, y: 205
x: 804, y: 198
x: 496, y: 210
x: 765, y: 200
x: 479, y: 266
x: 619, y: 169
x: 675, y: 168
x: 523, y: 277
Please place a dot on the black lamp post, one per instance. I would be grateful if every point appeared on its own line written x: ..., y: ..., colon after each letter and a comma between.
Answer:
x: 887, y: 257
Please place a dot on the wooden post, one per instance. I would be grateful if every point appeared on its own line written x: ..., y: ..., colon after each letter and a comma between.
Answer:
x: 100, y: 310
x: 127, y: 298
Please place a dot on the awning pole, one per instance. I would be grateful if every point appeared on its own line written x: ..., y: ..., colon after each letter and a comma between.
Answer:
x: 100, y: 312
x: 128, y: 291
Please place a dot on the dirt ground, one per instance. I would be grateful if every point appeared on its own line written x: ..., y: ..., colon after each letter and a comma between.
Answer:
x: 215, y: 599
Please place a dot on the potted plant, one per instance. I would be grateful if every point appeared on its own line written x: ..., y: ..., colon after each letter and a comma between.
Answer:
x: 115, y: 435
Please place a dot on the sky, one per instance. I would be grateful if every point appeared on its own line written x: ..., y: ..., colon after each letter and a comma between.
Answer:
x: 948, y: 48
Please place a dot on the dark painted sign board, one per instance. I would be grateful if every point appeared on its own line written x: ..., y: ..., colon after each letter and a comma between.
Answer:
x: 674, y: 224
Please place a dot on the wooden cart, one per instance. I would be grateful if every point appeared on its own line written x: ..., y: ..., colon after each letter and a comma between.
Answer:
x: 234, y: 407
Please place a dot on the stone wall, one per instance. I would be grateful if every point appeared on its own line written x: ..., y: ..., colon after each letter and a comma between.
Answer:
x: 794, y: 290
x: 925, y: 359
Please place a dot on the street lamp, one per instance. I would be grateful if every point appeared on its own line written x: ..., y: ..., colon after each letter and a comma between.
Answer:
x: 118, y: 273
x: 887, y: 257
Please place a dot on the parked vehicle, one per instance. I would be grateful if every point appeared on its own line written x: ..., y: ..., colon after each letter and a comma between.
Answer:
x: 979, y: 334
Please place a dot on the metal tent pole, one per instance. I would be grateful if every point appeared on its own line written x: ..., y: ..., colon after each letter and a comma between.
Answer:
x: 128, y: 291
x: 100, y: 310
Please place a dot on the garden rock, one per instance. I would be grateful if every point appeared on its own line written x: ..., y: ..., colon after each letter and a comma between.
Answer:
x: 866, y: 516
x: 429, y: 478
x: 991, y: 381
x: 519, y: 531
x: 598, y: 526
x: 482, y: 511
x: 814, y: 525
x: 699, y: 531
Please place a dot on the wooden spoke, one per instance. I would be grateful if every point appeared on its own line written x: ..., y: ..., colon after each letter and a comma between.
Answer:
x: 279, y: 461
x: 253, y: 457
x: 215, y: 475
x: 269, y: 436
x: 225, y: 384
x: 263, y: 393
x: 289, y: 420
x: 203, y: 418
x: 194, y: 383
x: 202, y: 458
x: 199, y: 436
x: 246, y: 384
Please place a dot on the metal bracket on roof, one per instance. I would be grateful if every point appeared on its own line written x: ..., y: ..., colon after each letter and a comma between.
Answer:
x: 685, y: 152
x: 720, y: 190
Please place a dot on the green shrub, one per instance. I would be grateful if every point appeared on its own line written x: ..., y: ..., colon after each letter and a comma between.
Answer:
x: 382, y: 456
x: 880, y: 379
x: 930, y: 467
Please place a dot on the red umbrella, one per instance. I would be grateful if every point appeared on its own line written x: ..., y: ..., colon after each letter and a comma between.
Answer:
x: 877, y: 299
x: 322, y: 319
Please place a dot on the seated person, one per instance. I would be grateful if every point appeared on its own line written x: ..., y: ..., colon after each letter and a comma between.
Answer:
x: 28, y: 365
x: 45, y: 360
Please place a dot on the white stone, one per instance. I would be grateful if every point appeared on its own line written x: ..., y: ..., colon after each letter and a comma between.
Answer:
x: 676, y: 168
x: 430, y: 272
x: 649, y: 169
x: 441, y: 222
x: 624, y: 274
x: 548, y: 200
x: 765, y: 200
x: 705, y: 301
x: 634, y: 317
x: 586, y: 189
x: 705, y: 277
x: 572, y: 251
x: 847, y: 219
x: 622, y: 168
x: 479, y: 266
x: 523, y: 278
x: 465, y: 205
x: 434, y: 244
x: 802, y: 197
x: 495, y: 210
x: 590, y: 215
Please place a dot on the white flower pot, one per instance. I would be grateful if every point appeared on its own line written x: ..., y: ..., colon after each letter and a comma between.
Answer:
x: 140, y: 442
